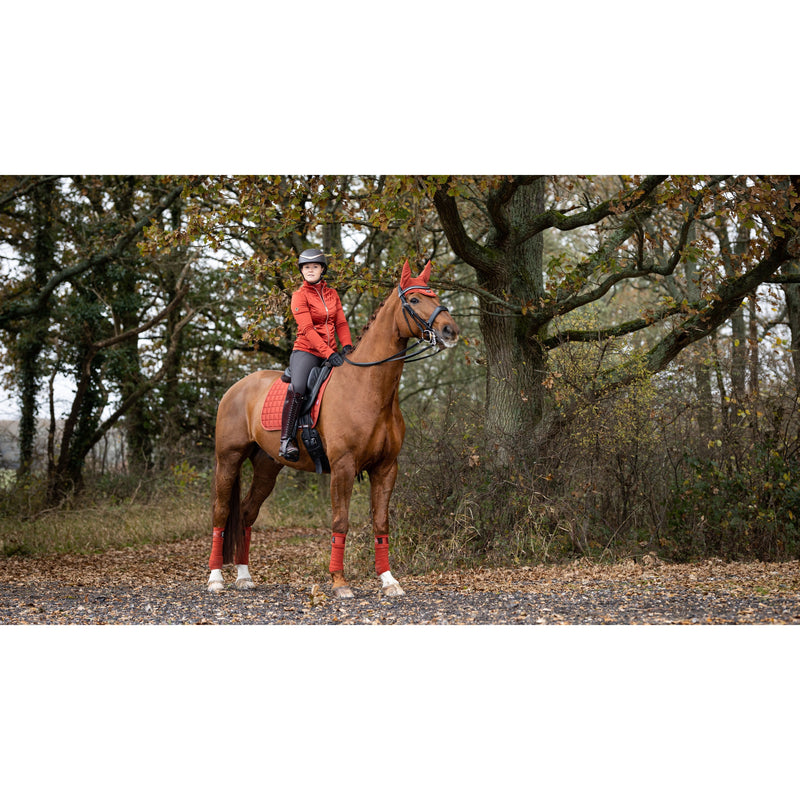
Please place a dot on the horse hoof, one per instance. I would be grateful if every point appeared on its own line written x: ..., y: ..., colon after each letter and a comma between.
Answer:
x: 393, y: 590
x: 215, y: 586
x: 244, y: 583
x: 342, y: 591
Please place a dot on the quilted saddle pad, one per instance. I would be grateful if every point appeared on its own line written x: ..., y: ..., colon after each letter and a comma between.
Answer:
x: 272, y: 410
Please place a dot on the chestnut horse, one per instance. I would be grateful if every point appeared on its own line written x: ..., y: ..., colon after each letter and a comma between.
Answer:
x: 360, y: 425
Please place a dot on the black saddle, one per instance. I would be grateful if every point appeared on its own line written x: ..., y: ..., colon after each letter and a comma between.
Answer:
x: 316, y: 378
x: 311, y: 437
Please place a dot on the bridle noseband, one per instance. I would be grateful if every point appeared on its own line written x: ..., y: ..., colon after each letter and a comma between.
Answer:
x: 428, y: 337
x: 427, y: 333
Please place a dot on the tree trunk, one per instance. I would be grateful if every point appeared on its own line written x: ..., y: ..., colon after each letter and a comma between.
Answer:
x: 516, y: 362
x: 791, y: 292
x: 701, y: 359
x: 738, y: 355
x: 31, y: 339
x: 705, y: 401
x: 173, y: 408
x: 752, y: 344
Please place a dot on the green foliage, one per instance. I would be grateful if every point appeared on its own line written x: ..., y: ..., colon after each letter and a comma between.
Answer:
x: 737, y: 507
x: 186, y: 476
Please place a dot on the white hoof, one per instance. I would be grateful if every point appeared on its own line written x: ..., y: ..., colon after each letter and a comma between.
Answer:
x: 342, y: 591
x: 391, y: 588
x: 215, y: 582
x: 243, y: 579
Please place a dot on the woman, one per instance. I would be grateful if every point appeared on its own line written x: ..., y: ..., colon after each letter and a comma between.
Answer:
x: 318, y: 312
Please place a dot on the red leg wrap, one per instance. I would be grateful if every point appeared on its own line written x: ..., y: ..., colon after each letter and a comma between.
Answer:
x: 381, y: 554
x: 337, y: 552
x: 215, y: 562
x: 244, y: 553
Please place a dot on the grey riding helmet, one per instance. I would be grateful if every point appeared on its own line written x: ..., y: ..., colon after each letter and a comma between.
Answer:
x: 313, y: 256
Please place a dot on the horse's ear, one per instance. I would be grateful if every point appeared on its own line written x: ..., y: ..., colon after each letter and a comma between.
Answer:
x: 426, y: 274
x: 405, y: 278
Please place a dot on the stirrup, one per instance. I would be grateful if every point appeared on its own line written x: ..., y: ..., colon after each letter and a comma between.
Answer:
x: 289, y: 450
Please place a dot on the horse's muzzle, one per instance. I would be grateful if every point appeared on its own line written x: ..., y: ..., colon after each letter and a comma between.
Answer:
x: 448, y: 335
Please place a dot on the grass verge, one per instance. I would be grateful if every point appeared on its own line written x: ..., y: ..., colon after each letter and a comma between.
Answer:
x: 130, y: 512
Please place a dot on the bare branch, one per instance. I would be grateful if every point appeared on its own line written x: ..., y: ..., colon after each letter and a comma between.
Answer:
x: 30, y: 182
x: 569, y: 222
x: 145, y: 386
x: 464, y: 247
x: 613, y: 332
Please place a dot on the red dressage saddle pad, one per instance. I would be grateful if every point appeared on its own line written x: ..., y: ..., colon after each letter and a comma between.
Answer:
x: 272, y: 410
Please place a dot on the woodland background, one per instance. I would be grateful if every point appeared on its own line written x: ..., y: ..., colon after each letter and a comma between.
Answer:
x: 627, y: 382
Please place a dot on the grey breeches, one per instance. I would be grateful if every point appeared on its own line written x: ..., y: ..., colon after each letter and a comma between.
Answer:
x: 301, y: 363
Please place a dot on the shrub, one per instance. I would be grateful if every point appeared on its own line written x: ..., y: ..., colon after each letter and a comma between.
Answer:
x: 743, y: 507
x: 454, y: 506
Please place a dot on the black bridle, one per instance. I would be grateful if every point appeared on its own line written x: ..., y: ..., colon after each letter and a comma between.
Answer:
x: 427, y: 339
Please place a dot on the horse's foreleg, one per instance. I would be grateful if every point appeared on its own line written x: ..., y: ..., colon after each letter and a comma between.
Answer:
x: 381, y: 482
x: 342, y: 477
x: 243, y: 578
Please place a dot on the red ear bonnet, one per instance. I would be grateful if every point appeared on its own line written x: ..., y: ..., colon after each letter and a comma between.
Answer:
x: 426, y: 274
x: 405, y: 278
x: 419, y: 284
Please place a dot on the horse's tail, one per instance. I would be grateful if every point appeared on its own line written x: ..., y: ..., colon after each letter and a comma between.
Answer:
x: 234, y: 528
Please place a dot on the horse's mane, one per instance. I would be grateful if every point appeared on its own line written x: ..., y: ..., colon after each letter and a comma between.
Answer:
x: 369, y: 322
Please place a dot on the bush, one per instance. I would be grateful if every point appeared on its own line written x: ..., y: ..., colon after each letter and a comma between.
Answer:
x: 453, y: 506
x: 617, y: 478
x: 745, y: 507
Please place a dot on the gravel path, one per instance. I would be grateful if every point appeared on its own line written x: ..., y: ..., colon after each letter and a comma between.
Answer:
x: 280, y: 604
x: 165, y: 585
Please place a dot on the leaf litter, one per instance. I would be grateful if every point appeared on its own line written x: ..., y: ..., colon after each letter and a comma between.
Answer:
x: 166, y: 584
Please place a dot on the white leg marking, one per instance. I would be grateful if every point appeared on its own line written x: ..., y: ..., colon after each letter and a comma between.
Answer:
x: 391, y: 588
x: 215, y: 582
x: 243, y: 578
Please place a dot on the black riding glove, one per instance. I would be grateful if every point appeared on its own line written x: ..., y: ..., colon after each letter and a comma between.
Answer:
x: 335, y: 360
x: 347, y: 349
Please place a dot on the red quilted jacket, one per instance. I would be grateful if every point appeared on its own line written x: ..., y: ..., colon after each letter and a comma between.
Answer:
x: 318, y: 312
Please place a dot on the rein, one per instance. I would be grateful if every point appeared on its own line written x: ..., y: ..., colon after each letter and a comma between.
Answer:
x: 418, y: 350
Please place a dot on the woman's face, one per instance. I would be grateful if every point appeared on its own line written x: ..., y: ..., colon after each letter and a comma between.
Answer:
x: 311, y: 272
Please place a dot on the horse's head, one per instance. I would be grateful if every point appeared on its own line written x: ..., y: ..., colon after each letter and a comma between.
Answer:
x: 421, y: 313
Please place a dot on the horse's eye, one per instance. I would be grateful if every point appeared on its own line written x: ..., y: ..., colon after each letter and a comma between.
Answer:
x: 415, y: 300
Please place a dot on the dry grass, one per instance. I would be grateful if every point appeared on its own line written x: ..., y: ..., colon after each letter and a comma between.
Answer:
x: 168, y: 509
x: 96, y: 528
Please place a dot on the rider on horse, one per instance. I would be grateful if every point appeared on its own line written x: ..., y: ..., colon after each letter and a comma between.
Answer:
x: 318, y: 311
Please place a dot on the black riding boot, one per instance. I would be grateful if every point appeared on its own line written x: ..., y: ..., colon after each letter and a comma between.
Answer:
x: 291, y: 408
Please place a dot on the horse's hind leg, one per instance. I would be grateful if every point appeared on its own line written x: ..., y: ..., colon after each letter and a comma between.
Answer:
x: 265, y: 472
x: 226, y: 481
